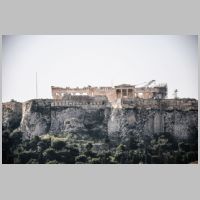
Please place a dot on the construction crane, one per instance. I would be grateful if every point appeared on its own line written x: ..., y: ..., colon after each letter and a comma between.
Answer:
x: 149, y: 83
x: 146, y: 84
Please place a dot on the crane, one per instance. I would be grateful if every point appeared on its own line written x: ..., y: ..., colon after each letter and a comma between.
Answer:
x: 146, y: 84
x: 149, y: 83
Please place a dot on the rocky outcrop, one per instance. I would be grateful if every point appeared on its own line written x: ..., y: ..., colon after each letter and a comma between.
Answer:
x: 97, y: 119
x: 45, y: 116
x: 83, y: 122
x: 128, y: 122
x: 36, y: 117
x: 11, y: 115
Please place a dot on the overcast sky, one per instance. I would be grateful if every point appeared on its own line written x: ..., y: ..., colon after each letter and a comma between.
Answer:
x: 97, y: 60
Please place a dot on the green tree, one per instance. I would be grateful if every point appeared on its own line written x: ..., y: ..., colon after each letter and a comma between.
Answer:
x: 95, y: 161
x: 89, y: 146
x: 52, y: 162
x: 81, y: 159
x: 58, y: 144
x: 121, y: 148
x: 25, y: 156
x: 49, y: 154
x: 7, y: 156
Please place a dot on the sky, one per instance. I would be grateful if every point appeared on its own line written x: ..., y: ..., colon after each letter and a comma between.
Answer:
x: 97, y: 60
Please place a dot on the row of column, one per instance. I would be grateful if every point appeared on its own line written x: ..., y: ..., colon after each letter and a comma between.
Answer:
x: 125, y: 92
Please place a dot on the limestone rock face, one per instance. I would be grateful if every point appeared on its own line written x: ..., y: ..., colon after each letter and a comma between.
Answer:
x: 36, y: 117
x: 128, y: 122
x: 11, y: 115
x: 97, y: 121
x: 82, y: 122
x: 40, y: 117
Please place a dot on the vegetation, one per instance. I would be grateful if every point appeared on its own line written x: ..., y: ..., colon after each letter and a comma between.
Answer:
x: 52, y: 149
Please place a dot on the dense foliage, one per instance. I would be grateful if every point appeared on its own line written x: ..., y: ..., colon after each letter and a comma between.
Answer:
x: 53, y: 149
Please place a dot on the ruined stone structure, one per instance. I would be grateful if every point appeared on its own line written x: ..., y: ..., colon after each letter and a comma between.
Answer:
x: 114, y: 94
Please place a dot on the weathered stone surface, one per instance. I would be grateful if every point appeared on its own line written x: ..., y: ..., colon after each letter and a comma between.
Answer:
x: 11, y: 115
x: 126, y: 122
x: 140, y: 118
x: 80, y: 121
x: 36, y: 117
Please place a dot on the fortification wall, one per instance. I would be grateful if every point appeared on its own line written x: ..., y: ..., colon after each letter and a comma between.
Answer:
x: 81, y: 101
x: 163, y: 104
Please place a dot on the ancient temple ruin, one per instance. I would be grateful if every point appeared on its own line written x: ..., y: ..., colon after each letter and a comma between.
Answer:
x: 114, y: 94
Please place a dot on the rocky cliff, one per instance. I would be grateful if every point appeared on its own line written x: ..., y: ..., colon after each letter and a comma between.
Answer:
x: 11, y: 115
x: 128, y: 122
x: 99, y: 120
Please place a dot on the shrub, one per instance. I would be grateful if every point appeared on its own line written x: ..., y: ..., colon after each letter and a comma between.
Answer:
x: 41, y: 146
x: 65, y: 156
x: 89, y: 146
x: 7, y: 156
x: 16, y: 138
x: 32, y: 144
x: 105, y: 157
x: 95, y: 161
x: 49, y: 154
x: 25, y: 156
x: 53, y: 162
x: 133, y: 143
x: 121, y: 148
x: 192, y: 156
x: 33, y: 161
x: 81, y: 159
x: 58, y: 144
x: 155, y: 160
x: 184, y: 147
x: 120, y: 157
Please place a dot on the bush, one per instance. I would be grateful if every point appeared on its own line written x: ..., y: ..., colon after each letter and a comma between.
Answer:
x: 120, y: 157
x: 47, y: 142
x: 81, y: 159
x: 134, y: 157
x: 16, y: 138
x: 65, y: 156
x: 7, y: 156
x: 89, y: 146
x: 32, y: 144
x: 155, y: 160
x: 58, y: 144
x: 53, y: 162
x: 49, y: 154
x: 105, y: 157
x: 33, y: 161
x: 121, y: 148
x: 184, y: 147
x: 192, y: 156
x: 95, y: 161
x: 25, y: 156
x: 133, y: 143
x: 41, y: 146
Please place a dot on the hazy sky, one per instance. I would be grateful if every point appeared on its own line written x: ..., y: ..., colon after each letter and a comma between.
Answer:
x: 97, y: 60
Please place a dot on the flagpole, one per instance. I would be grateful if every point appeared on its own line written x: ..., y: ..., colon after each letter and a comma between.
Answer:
x: 36, y: 87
